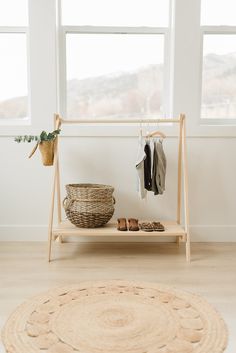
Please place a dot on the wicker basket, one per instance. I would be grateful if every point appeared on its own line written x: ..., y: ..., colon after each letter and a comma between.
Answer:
x: 89, y: 205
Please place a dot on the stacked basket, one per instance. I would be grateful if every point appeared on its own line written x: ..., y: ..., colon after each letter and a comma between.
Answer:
x: 89, y: 205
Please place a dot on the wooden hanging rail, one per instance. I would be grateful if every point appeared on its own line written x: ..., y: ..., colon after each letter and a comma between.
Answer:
x: 117, y: 121
x: 172, y: 228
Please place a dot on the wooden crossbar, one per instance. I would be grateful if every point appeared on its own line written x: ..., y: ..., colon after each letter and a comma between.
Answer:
x: 118, y: 121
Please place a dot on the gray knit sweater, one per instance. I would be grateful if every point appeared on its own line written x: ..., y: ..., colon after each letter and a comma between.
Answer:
x: 158, y: 169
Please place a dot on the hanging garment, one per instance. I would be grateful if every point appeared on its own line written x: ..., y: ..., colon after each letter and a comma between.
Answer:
x: 140, y: 169
x: 148, y: 167
x: 158, y: 169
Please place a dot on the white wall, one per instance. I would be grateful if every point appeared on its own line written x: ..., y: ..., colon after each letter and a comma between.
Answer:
x: 26, y: 185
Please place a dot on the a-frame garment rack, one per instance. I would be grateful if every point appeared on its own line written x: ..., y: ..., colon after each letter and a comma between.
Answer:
x: 172, y: 228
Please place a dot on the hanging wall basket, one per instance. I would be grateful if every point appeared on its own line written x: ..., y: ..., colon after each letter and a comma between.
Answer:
x: 46, y: 143
x: 47, y: 152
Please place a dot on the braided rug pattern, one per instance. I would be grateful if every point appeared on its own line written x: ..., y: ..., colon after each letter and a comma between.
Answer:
x: 115, y: 316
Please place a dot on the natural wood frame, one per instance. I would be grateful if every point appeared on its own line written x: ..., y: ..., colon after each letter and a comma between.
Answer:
x: 173, y: 228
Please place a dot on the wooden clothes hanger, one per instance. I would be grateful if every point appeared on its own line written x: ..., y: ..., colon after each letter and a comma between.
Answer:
x: 156, y: 133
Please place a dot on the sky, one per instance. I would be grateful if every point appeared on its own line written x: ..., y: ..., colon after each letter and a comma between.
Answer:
x: 115, y: 12
x: 92, y: 55
x: 218, y: 12
x: 219, y: 44
x: 18, y: 17
x: 13, y: 65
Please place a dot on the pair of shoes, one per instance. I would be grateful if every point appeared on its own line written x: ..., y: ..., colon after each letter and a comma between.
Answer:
x: 158, y: 227
x: 152, y: 226
x: 132, y: 224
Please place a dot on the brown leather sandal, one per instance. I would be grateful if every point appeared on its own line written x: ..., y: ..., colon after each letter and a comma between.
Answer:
x: 146, y: 226
x: 122, y: 224
x: 133, y: 224
x: 158, y: 227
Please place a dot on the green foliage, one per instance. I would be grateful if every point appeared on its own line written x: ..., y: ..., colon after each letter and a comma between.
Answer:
x: 42, y: 137
x: 26, y: 138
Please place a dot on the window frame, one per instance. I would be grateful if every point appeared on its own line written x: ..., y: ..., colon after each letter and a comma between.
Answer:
x: 63, y: 30
x: 18, y: 121
x: 42, y: 69
x: 214, y: 30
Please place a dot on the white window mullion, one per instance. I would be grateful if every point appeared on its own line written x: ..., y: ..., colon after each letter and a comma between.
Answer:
x: 42, y: 43
x: 167, y: 86
x: 13, y: 29
x: 218, y: 29
x: 115, y: 30
x: 187, y: 61
x: 62, y: 71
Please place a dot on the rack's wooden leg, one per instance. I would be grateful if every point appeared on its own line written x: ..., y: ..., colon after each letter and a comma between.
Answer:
x: 180, y: 156
x: 49, y: 244
x: 50, y: 236
x: 188, y: 250
x: 185, y: 183
x: 59, y: 239
x: 177, y: 240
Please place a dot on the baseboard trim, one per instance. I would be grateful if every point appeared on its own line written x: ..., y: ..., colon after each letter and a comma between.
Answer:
x: 199, y: 233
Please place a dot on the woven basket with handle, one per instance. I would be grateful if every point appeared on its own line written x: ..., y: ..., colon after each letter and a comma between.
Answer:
x: 89, y: 205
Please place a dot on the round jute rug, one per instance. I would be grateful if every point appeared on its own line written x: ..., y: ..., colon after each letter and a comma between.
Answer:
x: 115, y: 317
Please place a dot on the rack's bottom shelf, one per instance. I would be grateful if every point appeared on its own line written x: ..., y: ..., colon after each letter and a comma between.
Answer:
x: 172, y: 228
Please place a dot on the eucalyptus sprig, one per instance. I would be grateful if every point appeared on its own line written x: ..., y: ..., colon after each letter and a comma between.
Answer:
x: 44, y: 136
x: 27, y: 138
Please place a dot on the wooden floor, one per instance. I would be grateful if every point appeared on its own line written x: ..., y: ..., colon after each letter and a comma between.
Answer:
x: 24, y: 271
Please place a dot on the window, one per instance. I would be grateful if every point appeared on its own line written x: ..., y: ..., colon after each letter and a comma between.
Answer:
x: 13, y: 60
x: 218, y: 13
x: 219, y: 75
x: 126, y: 13
x: 219, y: 60
x: 113, y: 72
x: 14, y: 12
x: 126, y: 81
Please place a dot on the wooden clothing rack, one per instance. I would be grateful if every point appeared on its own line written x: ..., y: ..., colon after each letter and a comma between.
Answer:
x: 172, y: 228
